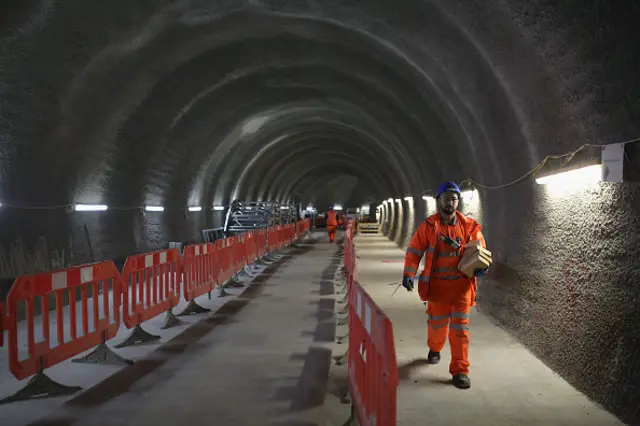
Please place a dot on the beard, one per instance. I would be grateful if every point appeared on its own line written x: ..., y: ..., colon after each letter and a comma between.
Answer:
x: 449, y: 210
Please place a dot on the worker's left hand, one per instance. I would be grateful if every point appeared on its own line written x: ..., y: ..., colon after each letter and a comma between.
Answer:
x: 480, y: 272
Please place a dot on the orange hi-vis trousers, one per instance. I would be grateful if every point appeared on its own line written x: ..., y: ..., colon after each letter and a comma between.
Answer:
x: 332, y: 232
x: 450, y: 319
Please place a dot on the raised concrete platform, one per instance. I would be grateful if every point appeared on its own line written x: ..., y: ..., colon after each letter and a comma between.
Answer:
x: 263, y: 359
x: 509, y: 385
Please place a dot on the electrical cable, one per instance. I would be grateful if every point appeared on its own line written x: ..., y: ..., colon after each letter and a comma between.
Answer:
x: 536, y: 169
x: 469, y: 181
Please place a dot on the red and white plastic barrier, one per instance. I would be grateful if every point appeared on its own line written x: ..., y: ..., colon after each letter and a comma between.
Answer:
x: 373, y: 370
x: 97, y: 308
x: 148, y: 287
x: 199, y: 270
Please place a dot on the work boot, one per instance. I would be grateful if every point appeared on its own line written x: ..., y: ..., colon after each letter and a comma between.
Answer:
x: 461, y: 381
x: 433, y: 358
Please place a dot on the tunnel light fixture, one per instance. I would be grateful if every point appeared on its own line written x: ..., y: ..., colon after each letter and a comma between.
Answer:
x: 195, y: 209
x: 427, y: 198
x: 584, y: 175
x: 218, y: 208
x: 90, y: 207
x: 154, y: 208
x: 337, y: 207
x: 468, y: 194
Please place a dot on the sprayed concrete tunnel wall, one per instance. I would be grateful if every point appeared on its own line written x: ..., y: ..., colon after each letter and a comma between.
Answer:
x: 179, y: 104
x: 566, y: 262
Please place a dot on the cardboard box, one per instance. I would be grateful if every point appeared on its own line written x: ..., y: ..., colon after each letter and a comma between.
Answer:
x: 474, y: 246
x: 474, y: 257
x: 474, y: 243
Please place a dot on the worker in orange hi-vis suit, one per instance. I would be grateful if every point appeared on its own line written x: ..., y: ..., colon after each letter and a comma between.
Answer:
x: 332, y: 223
x: 450, y: 294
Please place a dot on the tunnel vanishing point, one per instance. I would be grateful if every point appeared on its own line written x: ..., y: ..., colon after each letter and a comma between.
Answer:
x: 198, y: 103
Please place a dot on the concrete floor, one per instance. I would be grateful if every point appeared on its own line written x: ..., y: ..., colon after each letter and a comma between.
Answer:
x: 509, y: 385
x: 265, y: 359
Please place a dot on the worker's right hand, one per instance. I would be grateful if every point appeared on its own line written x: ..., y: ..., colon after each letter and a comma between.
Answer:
x: 407, y: 282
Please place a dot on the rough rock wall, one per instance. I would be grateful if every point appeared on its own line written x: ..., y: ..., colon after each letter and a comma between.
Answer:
x: 566, y: 284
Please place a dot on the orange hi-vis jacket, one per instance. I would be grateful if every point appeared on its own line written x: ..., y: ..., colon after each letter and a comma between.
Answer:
x: 440, y: 280
x: 332, y: 218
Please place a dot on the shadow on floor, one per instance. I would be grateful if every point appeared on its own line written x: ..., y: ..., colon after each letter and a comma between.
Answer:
x: 404, y: 370
x: 311, y: 388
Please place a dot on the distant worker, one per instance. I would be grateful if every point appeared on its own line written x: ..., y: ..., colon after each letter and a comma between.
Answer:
x: 450, y: 293
x: 333, y: 218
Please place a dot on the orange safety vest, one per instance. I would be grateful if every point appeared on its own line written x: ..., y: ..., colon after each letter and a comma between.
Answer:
x: 440, y: 280
x: 332, y: 218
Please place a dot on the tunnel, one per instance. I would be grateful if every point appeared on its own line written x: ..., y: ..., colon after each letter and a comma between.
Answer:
x: 194, y: 104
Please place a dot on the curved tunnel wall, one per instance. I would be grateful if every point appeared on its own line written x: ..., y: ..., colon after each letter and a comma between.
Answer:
x: 176, y: 104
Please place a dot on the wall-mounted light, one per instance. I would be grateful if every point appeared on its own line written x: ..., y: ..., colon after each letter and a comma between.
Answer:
x: 154, y: 208
x: 468, y: 195
x: 584, y: 175
x: 90, y: 207
x: 337, y: 207
x: 195, y: 209
x: 218, y: 208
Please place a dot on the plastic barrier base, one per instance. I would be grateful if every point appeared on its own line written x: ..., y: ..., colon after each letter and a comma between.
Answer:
x: 103, y: 354
x: 40, y: 386
x: 245, y: 273
x: 342, y: 359
x: 264, y: 261
x: 192, y: 309
x: 222, y: 292
x: 138, y: 335
x: 170, y: 320
x: 234, y: 282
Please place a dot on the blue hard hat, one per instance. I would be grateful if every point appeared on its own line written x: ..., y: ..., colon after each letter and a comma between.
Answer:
x: 448, y: 187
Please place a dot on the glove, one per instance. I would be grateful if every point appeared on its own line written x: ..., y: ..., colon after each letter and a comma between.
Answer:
x: 480, y: 272
x: 407, y: 282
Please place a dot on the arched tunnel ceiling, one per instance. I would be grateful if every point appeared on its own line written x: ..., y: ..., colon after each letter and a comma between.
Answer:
x: 133, y: 104
x: 197, y: 102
